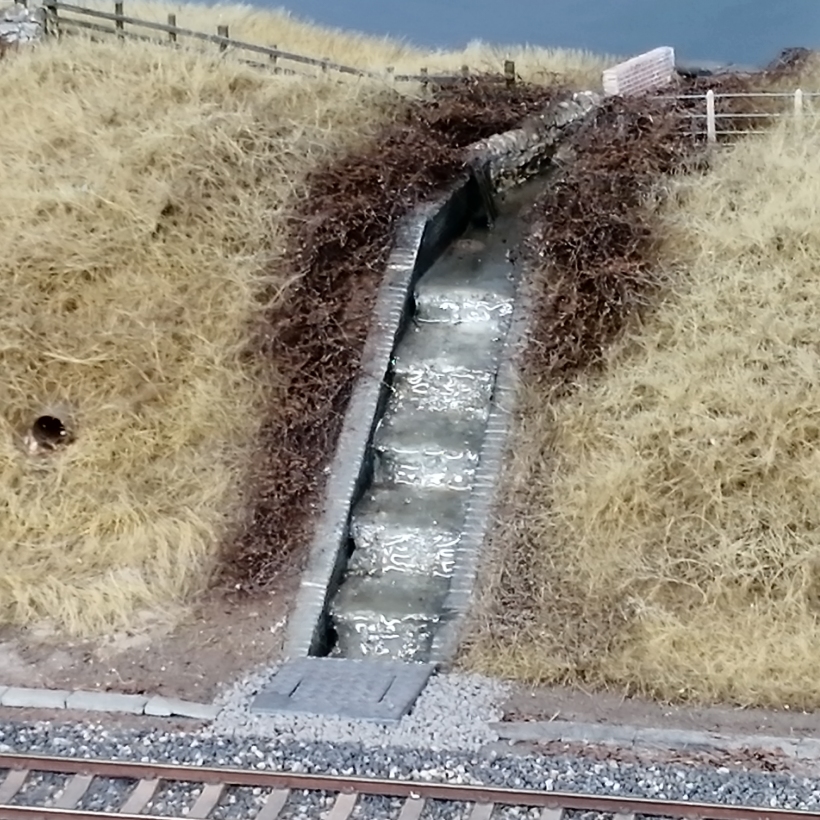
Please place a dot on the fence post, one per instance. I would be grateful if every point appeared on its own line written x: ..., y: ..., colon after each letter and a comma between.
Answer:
x: 509, y: 73
x: 798, y: 102
x: 273, y: 58
x: 425, y: 83
x: 172, y: 22
x: 711, y: 125
x: 222, y: 31
x: 325, y: 61
x: 119, y: 23
x: 52, y: 20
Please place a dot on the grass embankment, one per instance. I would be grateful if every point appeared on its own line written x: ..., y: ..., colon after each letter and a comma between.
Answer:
x: 190, y: 248
x: 661, y: 531
x: 142, y: 220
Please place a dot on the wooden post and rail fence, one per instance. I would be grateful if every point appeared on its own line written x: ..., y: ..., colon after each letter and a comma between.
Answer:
x: 64, y: 16
x: 702, y: 115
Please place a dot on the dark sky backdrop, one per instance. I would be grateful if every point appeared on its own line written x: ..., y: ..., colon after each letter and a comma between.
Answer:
x: 740, y: 31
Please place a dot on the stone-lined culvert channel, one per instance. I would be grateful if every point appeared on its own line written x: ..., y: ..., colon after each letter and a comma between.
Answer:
x: 406, y: 526
x: 411, y: 486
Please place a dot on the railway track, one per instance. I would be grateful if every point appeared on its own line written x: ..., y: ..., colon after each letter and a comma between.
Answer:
x: 277, y: 796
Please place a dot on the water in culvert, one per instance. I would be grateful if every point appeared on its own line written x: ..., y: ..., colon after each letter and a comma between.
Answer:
x: 406, y: 527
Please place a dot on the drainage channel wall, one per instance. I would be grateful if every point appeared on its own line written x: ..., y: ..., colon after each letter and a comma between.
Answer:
x: 497, y: 163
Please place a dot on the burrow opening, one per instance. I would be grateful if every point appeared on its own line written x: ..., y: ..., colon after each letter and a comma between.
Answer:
x: 50, y: 431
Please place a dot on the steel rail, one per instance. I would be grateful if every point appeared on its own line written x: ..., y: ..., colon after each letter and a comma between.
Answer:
x: 411, y: 790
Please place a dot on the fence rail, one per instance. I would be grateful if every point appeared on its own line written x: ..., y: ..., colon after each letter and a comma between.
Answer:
x: 716, y: 115
x: 57, y: 11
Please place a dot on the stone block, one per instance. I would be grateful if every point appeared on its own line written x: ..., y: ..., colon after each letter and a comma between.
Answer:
x: 106, y: 702
x: 646, y: 72
x: 381, y: 691
x: 158, y: 706
x: 26, y: 698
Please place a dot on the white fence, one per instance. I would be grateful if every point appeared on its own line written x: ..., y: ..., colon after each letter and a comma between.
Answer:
x: 721, y: 116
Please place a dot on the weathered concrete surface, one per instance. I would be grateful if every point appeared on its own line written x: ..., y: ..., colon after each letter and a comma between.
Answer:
x: 498, y: 163
x: 34, y: 698
x: 173, y: 707
x: 107, y: 702
x: 638, y: 738
x: 37, y: 698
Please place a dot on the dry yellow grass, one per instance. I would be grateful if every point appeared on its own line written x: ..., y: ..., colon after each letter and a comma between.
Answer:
x: 144, y: 198
x: 278, y: 27
x: 664, y: 528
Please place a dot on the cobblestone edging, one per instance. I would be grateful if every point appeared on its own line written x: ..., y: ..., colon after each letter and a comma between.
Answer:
x: 637, y: 738
x: 151, y: 706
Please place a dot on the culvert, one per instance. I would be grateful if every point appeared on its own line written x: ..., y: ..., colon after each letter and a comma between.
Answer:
x: 395, y: 552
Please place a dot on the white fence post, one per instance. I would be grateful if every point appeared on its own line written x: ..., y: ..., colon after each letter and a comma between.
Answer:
x: 711, y: 125
x: 798, y: 102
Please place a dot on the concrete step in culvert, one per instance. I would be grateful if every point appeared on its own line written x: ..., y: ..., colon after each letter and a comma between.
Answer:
x: 457, y: 393
x: 473, y: 283
x: 406, y: 529
x: 427, y: 449
x: 392, y: 615
x: 466, y: 351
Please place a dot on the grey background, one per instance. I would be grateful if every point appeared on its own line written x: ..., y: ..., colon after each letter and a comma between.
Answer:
x: 747, y: 32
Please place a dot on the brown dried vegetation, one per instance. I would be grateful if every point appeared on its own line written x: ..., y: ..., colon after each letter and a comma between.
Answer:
x: 339, y: 239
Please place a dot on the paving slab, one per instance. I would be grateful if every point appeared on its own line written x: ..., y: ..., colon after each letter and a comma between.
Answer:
x: 107, y: 702
x: 381, y: 691
x: 24, y: 697
x: 174, y: 707
x: 633, y: 737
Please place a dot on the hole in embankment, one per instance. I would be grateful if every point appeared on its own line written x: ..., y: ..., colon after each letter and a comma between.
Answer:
x: 50, y: 431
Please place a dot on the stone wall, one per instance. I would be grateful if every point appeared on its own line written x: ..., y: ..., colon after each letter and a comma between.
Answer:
x: 518, y: 155
x: 20, y: 24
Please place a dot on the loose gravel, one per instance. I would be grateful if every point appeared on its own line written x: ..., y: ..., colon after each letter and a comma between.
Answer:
x: 452, y: 713
x: 173, y: 799
x: 453, y: 710
x: 106, y: 795
x: 239, y: 801
x: 302, y: 805
x: 40, y: 789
